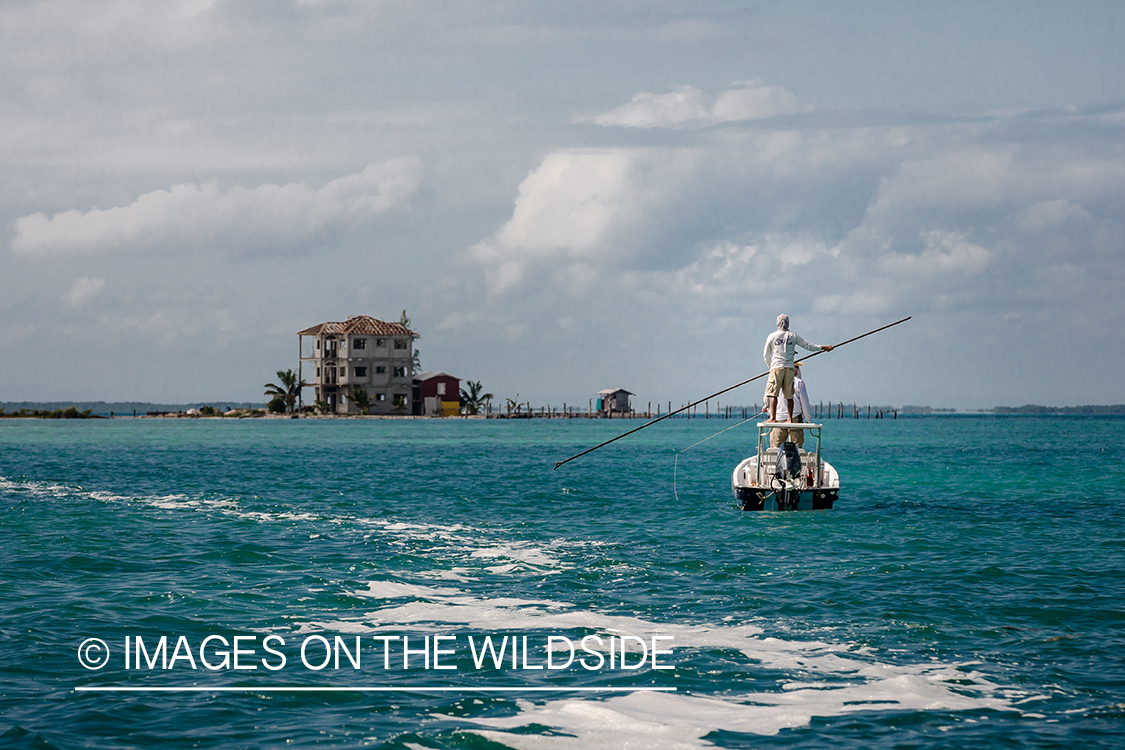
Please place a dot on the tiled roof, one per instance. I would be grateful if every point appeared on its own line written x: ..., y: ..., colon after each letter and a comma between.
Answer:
x: 359, y: 324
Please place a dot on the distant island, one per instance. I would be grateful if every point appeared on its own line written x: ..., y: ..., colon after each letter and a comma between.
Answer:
x: 912, y: 409
x: 120, y: 408
x: 86, y: 409
x: 1071, y: 410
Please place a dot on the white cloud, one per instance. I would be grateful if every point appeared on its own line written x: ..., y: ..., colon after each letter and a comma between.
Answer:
x: 579, y: 204
x: 168, y: 24
x: 945, y: 253
x: 245, y: 218
x: 83, y: 290
x: 837, y: 222
x: 949, y: 178
x: 1048, y: 214
x: 685, y: 105
x: 753, y: 100
x: 859, y: 302
x: 569, y: 202
x: 682, y: 104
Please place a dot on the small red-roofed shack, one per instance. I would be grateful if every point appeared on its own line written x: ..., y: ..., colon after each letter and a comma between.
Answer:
x: 437, y: 394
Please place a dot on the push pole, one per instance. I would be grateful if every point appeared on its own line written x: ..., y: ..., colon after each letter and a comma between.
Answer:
x: 719, y: 393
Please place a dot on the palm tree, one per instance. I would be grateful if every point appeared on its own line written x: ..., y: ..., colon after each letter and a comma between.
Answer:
x: 405, y: 322
x: 361, y: 400
x: 289, y: 390
x: 473, y: 399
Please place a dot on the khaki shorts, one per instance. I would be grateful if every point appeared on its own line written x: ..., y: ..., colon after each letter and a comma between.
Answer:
x: 779, y: 436
x: 781, y: 380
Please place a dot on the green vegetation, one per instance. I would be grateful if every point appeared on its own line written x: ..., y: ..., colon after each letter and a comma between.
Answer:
x: 70, y: 412
x: 361, y: 400
x: 405, y: 322
x: 472, y: 398
x: 289, y: 389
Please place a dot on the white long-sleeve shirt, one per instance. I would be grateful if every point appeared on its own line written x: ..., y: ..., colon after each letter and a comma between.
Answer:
x: 781, y: 349
x: 801, y: 405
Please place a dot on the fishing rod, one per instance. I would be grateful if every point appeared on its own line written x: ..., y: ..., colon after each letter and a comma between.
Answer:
x: 713, y: 395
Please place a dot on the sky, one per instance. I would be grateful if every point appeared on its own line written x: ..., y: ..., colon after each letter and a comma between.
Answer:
x: 566, y: 196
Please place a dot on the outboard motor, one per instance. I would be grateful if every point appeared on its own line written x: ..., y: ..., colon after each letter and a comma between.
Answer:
x: 788, y: 469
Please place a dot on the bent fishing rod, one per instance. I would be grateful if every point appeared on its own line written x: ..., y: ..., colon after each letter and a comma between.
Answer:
x: 719, y: 393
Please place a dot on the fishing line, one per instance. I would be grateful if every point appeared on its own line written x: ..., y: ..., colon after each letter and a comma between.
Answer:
x: 676, y: 461
x: 719, y: 393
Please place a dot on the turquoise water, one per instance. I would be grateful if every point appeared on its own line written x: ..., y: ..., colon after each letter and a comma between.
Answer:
x: 968, y: 590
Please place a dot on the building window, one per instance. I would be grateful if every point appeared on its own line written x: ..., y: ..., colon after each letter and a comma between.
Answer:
x: 400, y: 343
x: 361, y: 372
x: 400, y: 399
x: 380, y: 397
x: 318, y: 372
x: 343, y: 372
x: 359, y: 344
x: 441, y: 389
x: 318, y: 343
x: 400, y: 372
x: 380, y: 342
x: 380, y: 369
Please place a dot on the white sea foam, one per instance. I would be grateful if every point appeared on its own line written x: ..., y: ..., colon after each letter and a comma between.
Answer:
x: 667, y: 720
x: 473, y: 546
x: 478, y: 551
x: 818, y: 679
x: 54, y: 490
x: 815, y: 678
x: 393, y: 590
x: 518, y: 553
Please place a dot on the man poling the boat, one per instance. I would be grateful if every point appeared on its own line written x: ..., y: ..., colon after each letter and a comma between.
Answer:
x: 719, y: 393
x: 780, y: 354
x: 802, y: 408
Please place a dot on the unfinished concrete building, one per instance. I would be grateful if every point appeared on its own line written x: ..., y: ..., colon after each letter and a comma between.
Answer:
x: 361, y: 352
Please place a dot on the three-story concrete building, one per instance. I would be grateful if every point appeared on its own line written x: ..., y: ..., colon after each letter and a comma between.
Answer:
x: 361, y: 352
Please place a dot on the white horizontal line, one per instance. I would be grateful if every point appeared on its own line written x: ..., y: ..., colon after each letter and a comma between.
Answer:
x: 367, y: 689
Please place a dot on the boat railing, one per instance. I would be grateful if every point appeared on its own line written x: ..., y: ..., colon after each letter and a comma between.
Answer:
x: 765, y: 474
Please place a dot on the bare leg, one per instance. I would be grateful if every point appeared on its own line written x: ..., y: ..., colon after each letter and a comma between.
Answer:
x: 789, y: 403
x: 773, y: 408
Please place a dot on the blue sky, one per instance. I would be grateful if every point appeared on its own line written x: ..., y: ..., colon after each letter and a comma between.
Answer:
x: 566, y: 196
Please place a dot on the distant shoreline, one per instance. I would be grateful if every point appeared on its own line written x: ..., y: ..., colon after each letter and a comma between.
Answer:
x: 148, y: 410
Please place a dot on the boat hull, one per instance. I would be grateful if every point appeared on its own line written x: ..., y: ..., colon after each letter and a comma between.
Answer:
x: 809, y: 482
x: 757, y: 498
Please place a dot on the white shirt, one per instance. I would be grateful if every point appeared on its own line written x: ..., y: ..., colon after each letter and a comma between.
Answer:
x: 781, y: 349
x: 801, y: 405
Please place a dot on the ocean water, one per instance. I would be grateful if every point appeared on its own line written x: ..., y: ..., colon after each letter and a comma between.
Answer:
x: 968, y: 589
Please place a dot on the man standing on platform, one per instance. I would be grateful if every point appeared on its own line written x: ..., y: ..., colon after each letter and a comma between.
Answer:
x: 801, y: 413
x: 780, y: 354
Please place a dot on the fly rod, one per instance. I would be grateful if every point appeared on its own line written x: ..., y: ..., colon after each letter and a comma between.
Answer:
x: 713, y: 395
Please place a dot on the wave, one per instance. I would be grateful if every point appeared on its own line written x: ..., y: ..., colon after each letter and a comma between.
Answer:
x: 470, y: 545
x: 810, y: 678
